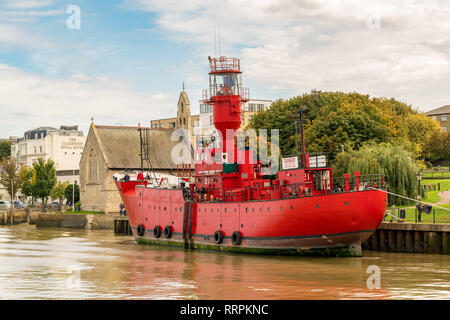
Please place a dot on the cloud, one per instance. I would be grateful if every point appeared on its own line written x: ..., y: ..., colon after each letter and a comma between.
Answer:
x: 395, y: 49
x: 25, y: 4
x: 12, y: 37
x: 28, y: 101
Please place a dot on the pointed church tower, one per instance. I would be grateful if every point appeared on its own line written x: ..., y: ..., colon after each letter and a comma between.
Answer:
x: 184, y: 111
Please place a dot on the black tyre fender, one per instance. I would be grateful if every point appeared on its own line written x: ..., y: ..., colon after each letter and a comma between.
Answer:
x: 140, y: 230
x: 236, y: 238
x: 218, y: 237
x: 157, y: 231
x: 167, y: 232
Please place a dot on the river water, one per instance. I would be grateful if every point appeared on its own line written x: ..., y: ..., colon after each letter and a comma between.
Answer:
x: 68, y: 264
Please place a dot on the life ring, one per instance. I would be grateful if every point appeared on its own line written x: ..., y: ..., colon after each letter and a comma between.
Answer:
x: 167, y: 232
x: 140, y: 230
x: 236, y: 238
x: 157, y: 232
x: 218, y: 237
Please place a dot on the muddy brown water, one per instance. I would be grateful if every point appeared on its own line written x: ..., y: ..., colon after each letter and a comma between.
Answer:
x: 77, y: 264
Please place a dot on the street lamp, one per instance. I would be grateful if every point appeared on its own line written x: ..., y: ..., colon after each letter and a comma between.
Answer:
x: 419, y: 178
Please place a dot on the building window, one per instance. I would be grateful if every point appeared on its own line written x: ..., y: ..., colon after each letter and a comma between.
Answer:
x: 210, y: 120
x: 444, y: 129
x: 154, y: 125
x: 434, y: 117
x: 40, y: 148
x: 205, y: 108
x: 172, y: 125
x: 92, y: 166
x: 444, y: 117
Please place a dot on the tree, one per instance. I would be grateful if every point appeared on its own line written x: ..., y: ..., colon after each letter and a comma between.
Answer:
x: 27, y: 178
x: 9, y: 175
x: 58, y: 192
x: 393, y: 161
x: 437, y: 148
x: 69, y: 194
x: 5, y: 149
x: 333, y: 119
x: 45, y: 180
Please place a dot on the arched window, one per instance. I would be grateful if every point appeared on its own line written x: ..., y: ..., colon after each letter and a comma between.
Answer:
x: 184, y: 121
x: 92, y: 166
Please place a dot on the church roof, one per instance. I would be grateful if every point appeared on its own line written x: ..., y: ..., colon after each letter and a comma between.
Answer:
x: 120, y: 146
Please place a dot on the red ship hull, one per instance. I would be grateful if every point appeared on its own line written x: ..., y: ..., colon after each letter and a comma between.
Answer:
x: 330, y: 224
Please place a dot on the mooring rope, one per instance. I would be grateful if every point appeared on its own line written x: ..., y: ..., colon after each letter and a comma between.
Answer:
x: 399, y: 195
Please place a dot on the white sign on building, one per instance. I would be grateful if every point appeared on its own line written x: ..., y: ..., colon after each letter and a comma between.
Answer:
x: 289, y: 163
x: 317, y: 162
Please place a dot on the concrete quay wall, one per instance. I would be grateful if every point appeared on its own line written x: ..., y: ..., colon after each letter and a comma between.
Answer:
x: 89, y: 222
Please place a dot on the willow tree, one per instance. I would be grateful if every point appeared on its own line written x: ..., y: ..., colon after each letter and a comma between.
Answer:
x: 394, y: 162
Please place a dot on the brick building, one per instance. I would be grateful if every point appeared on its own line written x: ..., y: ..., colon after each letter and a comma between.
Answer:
x: 442, y: 116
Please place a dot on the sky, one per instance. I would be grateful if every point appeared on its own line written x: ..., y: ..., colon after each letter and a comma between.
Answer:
x: 124, y: 62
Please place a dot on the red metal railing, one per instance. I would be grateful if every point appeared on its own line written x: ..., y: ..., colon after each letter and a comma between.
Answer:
x: 294, y: 190
x: 224, y: 64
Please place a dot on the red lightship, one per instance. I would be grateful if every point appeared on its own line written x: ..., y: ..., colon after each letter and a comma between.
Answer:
x: 235, y: 205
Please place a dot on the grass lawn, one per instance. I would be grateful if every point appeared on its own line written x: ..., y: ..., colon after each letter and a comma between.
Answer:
x: 441, y: 215
x: 432, y: 196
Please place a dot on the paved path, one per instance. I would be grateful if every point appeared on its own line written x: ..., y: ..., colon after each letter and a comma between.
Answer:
x: 445, y: 197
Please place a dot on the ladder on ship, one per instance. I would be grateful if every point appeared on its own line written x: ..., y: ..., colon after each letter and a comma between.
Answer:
x: 145, y: 152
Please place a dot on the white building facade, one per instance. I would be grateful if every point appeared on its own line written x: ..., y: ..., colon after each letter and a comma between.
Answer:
x: 64, y: 146
x: 205, y: 129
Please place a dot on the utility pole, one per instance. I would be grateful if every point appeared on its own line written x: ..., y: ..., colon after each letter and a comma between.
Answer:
x: 73, y: 191
x: 12, y: 201
x: 303, y: 139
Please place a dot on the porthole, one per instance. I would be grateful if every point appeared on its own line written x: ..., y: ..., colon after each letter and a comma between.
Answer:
x: 317, y: 206
x: 226, y: 210
x: 281, y: 208
x: 346, y: 203
x: 292, y: 207
x: 246, y: 209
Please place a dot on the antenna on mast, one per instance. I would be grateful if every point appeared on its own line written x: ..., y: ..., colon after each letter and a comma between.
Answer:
x: 216, y: 28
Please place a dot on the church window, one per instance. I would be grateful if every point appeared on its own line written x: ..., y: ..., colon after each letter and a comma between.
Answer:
x: 92, y: 166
